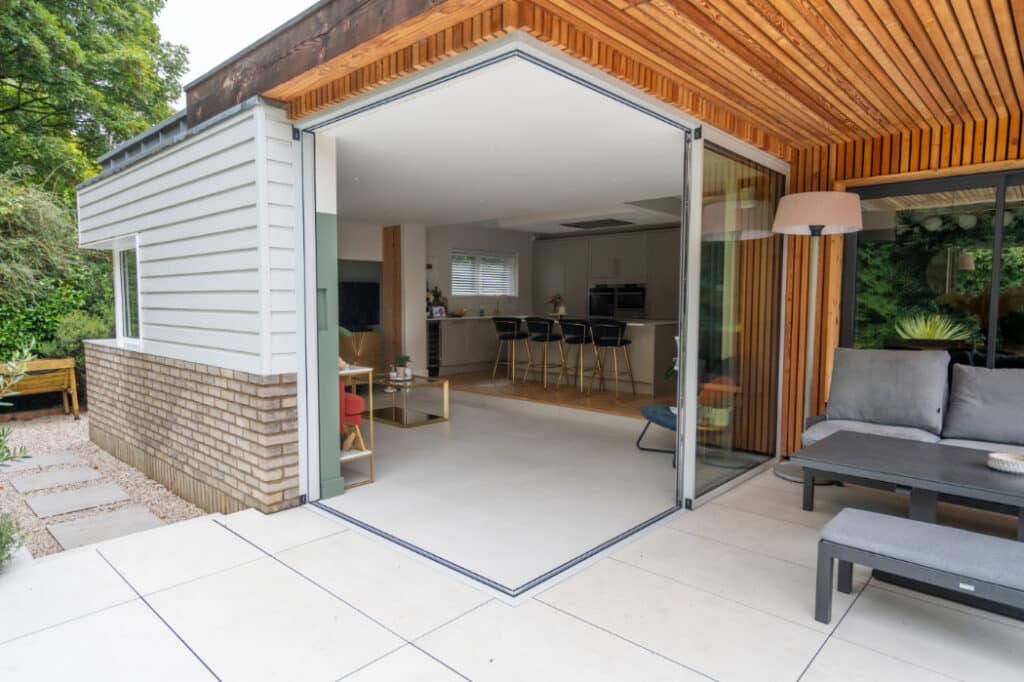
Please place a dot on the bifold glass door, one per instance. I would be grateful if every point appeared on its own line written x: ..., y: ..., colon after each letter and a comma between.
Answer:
x: 738, y: 276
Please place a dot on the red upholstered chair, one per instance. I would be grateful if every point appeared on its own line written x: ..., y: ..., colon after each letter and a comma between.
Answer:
x: 351, y: 415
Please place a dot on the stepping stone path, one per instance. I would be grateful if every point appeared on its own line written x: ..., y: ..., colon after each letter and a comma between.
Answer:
x: 76, y: 500
x: 38, y: 461
x: 29, y: 483
x: 114, y: 524
x: 41, y: 474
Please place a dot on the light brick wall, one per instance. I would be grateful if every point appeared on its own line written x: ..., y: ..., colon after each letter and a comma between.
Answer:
x: 222, y: 439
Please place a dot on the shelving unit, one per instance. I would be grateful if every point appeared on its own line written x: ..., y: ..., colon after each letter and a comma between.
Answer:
x: 353, y: 375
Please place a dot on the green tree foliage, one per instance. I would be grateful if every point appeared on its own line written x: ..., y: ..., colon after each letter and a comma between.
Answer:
x: 906, y: 277
x: 48, y: 287
x: 76, y: 78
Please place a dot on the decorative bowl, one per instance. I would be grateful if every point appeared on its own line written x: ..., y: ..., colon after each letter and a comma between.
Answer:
x: 1006, y: 462
x: 461, y: 312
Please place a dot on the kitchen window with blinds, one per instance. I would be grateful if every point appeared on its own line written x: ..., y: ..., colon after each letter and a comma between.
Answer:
x: 481, y: 273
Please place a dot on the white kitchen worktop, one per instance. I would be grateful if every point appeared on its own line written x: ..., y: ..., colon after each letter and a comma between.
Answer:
x: 629, y: 323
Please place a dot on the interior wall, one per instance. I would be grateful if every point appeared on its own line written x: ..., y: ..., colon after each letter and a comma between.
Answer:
x: 442, y: 240
x: 357, y: 241
x: 914, y: 154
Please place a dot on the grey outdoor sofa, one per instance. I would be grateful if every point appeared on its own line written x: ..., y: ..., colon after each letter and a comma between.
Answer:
x: 909, y: 394
x: 978, y: 565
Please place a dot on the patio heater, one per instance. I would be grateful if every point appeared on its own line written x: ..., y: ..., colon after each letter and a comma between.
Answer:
x: 814, y: 214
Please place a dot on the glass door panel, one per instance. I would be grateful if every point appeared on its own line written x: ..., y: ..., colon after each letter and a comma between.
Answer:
x: 924, y: 272
x: 740, y: 308
x: 1010, y: 321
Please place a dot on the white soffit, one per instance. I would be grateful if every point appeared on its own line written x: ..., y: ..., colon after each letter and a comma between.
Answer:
x: 500, y: 144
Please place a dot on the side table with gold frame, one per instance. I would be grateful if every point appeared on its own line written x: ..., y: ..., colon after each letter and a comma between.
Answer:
x: 354, y: 375
x: 399, y: 413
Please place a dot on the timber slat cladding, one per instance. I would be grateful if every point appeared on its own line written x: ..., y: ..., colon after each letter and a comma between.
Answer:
x: 783, y: 75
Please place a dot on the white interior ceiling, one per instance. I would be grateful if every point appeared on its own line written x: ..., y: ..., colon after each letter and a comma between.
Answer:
x: 512, y: 145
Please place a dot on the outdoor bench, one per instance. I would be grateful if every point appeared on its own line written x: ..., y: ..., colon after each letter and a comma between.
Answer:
x: 50, y: 375
x: 982, y: 566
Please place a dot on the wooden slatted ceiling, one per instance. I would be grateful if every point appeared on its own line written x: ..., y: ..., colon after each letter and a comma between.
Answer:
x: 781, y: 74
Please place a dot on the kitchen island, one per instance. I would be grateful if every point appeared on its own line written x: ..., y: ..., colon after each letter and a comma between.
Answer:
x: 463, y: 345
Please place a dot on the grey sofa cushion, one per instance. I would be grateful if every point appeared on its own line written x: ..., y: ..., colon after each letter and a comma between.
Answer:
x: 961, y: 552
x: 987, y: 446
x: 827, y: 428
x: 986, y: 404
x: 896, y: 387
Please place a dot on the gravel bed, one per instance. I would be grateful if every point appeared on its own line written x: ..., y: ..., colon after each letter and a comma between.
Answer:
x: 63, y: 434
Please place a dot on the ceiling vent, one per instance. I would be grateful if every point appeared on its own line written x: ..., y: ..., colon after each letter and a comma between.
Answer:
x: 595, y: 224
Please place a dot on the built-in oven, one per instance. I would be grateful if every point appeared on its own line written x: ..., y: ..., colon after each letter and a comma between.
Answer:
x: 602, y: 301
x: 630, y: 300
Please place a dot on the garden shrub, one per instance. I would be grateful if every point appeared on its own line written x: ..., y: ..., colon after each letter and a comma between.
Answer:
x: 10, y: 539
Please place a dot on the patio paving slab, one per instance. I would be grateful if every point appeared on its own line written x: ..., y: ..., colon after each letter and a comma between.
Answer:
x: 100, y: 527
x: 408, y: 663
x: 48, y: 459
x: 75, y: 500
x: 55, y: 590
x: 127, y: 642
x: 29, y: 483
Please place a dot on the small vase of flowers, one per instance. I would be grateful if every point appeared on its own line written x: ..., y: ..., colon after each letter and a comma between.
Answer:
x: 557, y: 304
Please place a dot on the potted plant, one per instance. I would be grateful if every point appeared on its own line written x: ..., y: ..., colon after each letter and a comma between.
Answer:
x: 930, y: 331
x: 403, y: 367
x: 11, y: 373
x: 557, y: 304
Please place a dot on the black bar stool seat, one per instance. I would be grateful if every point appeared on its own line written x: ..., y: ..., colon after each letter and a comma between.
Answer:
x: 509, y: 331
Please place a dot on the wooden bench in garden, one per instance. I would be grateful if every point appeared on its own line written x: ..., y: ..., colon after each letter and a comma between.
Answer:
x: 56, y: 375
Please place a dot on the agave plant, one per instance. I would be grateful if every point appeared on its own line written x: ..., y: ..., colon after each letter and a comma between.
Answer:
x: 932, y: 327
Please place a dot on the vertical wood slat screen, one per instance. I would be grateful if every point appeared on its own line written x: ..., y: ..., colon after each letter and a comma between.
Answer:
x: 820, y: 168
x: 757, y: 293
x: 392, y: 293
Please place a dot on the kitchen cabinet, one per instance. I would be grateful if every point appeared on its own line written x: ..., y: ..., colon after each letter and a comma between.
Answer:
x: 466, y: 344
x: 663, y: 274
x: 618, y: 258
x: 561, y: 267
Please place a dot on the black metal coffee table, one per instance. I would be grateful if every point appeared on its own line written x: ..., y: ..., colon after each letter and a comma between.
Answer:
x: 927, y: 471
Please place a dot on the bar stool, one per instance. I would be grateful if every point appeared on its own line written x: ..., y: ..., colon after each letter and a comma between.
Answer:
x: 577, y: 333
x: 509, y: 331
x: 542, y: 330
x: 611, y: 335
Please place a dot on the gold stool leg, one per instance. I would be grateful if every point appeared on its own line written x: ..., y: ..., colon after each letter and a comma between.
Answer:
x: 561, y: 367
x: 615, y: 365
x: 579, y: 367
x: 512, y: 364
x: 629, y: 368
x: 544, y: 372
x: 497, y: 360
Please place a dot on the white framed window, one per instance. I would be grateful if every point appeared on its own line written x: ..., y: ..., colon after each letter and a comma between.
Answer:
x: 484, y: 273
x: 127, y: 275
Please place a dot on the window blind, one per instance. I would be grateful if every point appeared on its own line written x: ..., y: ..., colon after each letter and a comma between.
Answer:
x: 477, y: 273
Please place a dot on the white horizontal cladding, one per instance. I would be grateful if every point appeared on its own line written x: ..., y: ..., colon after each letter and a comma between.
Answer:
x: 214, y: 217
x: 280, y: 242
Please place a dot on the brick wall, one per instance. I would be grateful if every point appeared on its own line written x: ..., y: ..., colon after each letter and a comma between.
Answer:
x: 222, y: 439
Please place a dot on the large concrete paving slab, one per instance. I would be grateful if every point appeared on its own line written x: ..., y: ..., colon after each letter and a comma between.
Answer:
x: 114, y: 524
x: 47, y: 459
x: 29, y: 483
x: 75, y: 500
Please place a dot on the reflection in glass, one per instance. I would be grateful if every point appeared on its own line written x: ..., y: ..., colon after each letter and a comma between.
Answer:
x: 1010, y: 325
x: 740, y: 304
x: 924, y: 270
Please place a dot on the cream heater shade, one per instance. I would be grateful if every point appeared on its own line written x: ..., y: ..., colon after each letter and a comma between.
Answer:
x: 818, y: 213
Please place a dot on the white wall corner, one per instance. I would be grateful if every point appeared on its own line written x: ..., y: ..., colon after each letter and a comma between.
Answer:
x: 263, y: 229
